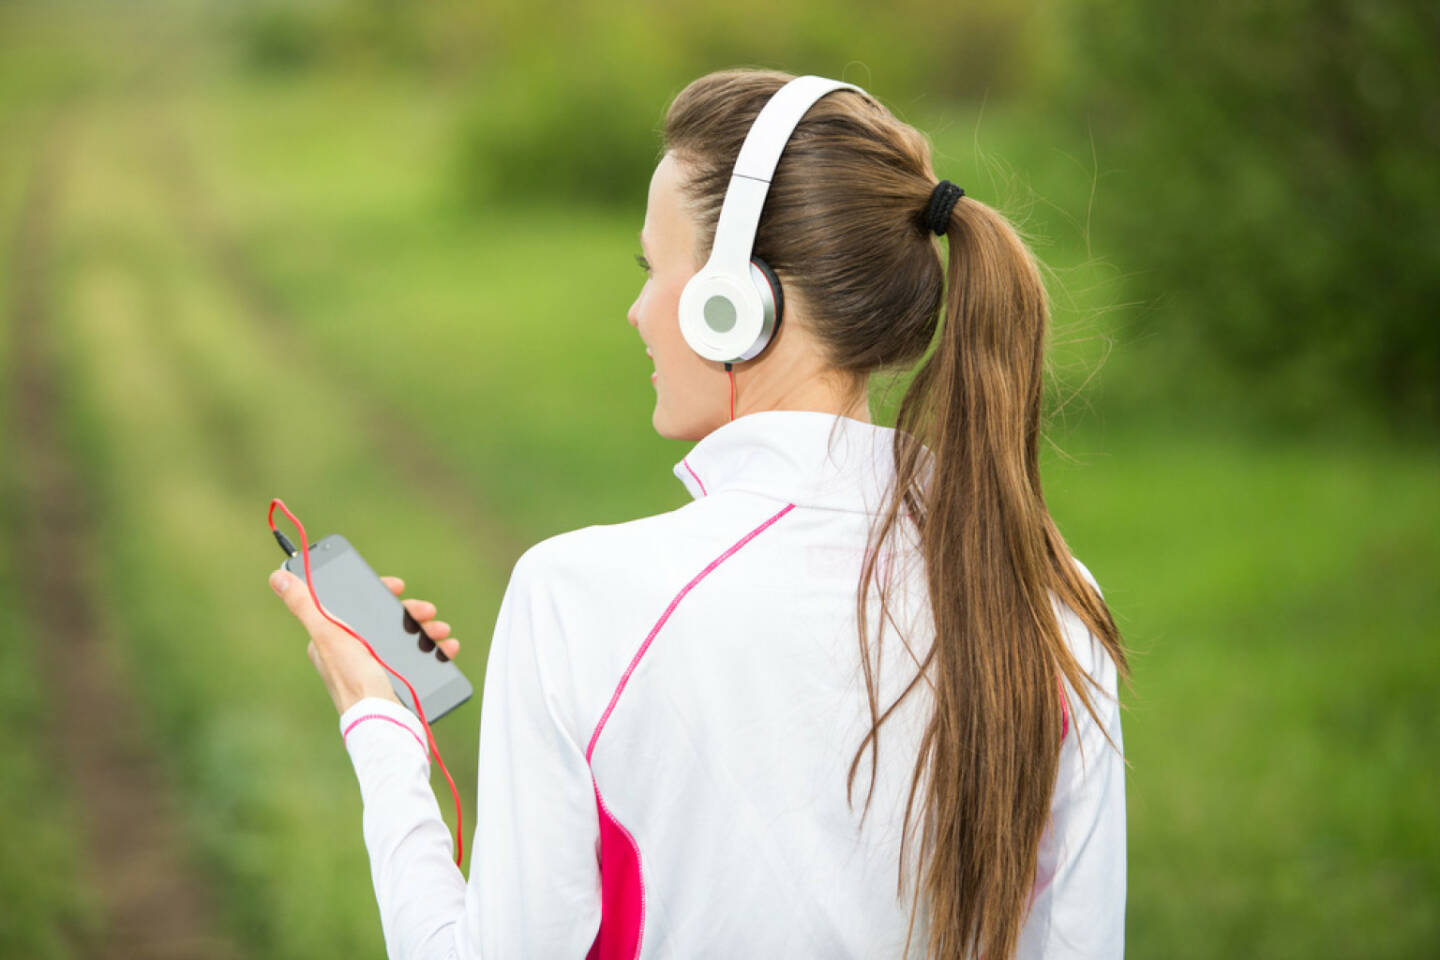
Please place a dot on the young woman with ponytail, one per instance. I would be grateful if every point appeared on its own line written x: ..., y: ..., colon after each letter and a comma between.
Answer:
x: 856, y: 698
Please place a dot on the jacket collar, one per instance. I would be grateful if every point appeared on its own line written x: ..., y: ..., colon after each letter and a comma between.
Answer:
x: 806, y: 457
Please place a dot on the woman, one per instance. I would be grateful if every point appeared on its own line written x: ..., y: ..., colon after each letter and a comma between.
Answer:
x: 680, y: 735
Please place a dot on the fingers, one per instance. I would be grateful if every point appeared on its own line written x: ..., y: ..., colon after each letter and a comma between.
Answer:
x: 431, y: 631
x: 433, y: 634
x: 420, y: 619
x: 447, y: 648
x: 421, y: 610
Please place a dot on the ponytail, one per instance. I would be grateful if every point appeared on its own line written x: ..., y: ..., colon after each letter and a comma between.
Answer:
x: 967, y: 471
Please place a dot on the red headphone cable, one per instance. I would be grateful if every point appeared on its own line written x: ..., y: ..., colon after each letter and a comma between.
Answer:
x: 430, y: 737
x: 730, y: 370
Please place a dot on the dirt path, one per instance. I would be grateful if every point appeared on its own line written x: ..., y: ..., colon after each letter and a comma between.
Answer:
x: 158, y: 904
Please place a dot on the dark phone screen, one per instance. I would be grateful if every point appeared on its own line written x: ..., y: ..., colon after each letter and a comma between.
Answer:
x: 353, y: 592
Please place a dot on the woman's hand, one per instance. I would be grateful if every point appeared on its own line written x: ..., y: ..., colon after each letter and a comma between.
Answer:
x: 422, y: 620
x: 349, y: 672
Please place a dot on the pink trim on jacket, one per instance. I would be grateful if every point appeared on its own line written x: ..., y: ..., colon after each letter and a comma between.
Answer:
x: 703, y: 491
x: 1064, y: 711
x: 345, y: 735
x: 634, y: 661
x: 622, y: 883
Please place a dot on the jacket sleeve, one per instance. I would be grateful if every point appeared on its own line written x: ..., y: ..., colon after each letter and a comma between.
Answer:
x: 1078, y: 909
x: 534, y: 886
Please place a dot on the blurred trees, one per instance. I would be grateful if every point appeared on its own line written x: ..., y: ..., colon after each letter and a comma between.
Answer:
x: 1278, y: 196
x: 570, y: 109
x: 565, y: 100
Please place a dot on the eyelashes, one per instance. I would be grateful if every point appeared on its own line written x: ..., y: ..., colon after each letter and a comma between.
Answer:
x: 644, y: 264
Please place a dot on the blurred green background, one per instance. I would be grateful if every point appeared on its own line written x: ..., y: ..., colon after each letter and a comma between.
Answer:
x: 329, y: 251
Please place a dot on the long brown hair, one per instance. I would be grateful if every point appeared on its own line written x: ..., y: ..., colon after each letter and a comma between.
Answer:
x: 841, y: 227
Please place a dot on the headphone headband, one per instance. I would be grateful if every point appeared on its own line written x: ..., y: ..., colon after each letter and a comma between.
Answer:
x: 728, y: 310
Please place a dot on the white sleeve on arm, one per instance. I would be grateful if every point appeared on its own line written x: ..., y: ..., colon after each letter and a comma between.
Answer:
x: 534, y: 886
x: 1079, y: 905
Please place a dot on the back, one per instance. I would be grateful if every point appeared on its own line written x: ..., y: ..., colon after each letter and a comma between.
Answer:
x: 670, y: 713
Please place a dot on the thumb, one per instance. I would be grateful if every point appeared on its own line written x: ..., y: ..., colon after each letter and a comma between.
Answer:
x: 296, y: 595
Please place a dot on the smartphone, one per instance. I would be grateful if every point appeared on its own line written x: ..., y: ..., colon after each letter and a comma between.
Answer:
x: 351, y: 591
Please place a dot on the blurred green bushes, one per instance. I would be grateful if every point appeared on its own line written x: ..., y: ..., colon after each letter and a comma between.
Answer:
x: 1276, y: 196
x: 554, y: 141
x: 275, y: 37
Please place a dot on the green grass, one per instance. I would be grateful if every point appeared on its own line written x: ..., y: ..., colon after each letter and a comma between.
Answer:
x: 1280, y: 603
x: 48, y: 906
x: 163, y: 363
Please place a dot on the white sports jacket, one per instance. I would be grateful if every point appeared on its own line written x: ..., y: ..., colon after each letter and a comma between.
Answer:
x: 670, y: 710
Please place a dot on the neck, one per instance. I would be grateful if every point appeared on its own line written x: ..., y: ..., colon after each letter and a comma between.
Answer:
x: 756, y: 389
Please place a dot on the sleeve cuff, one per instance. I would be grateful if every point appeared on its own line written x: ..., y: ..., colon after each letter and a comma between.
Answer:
x: 375, y: 720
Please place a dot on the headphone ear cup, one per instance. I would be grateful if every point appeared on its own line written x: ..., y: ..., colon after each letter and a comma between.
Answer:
x: 722, y: 319
x: 768, y: 286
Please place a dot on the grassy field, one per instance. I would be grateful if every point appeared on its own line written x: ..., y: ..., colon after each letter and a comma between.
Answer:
x: 266, y: 291
x: 45, y: 906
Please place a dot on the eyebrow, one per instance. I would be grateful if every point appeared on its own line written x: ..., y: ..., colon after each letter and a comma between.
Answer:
x: 641, y: 234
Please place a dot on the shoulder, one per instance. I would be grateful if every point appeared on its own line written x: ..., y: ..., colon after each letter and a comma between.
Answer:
x: 591, y: 595
x: 1090, y: 654
x: 606, y: 550
x: 649, y: 549
x: 600, y: 584
x: 1091, y: 757
x: 1089, y: 577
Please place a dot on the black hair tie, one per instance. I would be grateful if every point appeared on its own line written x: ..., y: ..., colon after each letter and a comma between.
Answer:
x: 942, y: 201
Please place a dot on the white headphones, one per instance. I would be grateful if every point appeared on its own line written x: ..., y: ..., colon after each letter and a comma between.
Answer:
x: 730, y: 309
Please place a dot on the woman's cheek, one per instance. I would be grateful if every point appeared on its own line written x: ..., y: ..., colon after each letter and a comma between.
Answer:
x: 671, y: 412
